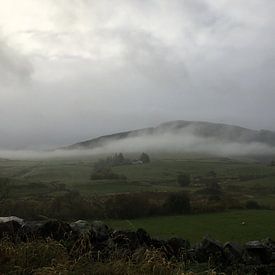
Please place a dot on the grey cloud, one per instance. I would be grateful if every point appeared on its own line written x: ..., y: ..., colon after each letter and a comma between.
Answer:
x: 14, y: 67
x: 103, y: 69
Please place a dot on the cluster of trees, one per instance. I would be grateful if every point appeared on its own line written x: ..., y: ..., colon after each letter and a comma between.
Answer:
x: 119, y: 159
x: 115, y: 160
x: 103, y: 168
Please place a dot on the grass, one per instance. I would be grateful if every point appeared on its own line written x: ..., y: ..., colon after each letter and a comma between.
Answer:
x: 31, y: 178
x: 225, y: 226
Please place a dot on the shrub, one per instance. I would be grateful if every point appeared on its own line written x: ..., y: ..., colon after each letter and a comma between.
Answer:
x: 106, y: 173
x: 252, y: 205
x: 127, y: 206
x: 178, y: 203
x: 144, y: 158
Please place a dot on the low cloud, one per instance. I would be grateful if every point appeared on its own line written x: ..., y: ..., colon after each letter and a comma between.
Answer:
x: 186, y: 142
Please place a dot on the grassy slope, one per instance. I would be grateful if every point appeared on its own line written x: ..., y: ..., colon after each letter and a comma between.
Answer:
x: 222, y: 226
x: 158, y: 175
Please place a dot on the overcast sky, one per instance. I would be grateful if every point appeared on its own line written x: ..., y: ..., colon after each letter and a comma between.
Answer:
x: 76, y: 69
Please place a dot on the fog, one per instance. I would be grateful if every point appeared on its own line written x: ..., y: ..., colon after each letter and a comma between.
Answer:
x: 183, y: 142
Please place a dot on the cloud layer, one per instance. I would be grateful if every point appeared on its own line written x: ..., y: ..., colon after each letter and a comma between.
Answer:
x: 168, y: 143
x: 72, y: 70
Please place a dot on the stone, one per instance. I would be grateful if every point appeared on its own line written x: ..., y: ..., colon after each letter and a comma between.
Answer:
x: 81, y: 226
x: 55, y: 229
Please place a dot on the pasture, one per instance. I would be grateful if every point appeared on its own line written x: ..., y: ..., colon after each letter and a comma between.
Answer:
x: 159, y: 175
x: 52, y: 180
x: 259, y: 224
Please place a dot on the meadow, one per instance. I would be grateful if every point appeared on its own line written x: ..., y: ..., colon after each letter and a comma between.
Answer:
x: 235, y: 225
x: 241, y: 179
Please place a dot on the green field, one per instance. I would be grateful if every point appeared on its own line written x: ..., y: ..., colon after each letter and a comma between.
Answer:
x: 159, y: 175
x: 241, y: 180
x: 225, y: 226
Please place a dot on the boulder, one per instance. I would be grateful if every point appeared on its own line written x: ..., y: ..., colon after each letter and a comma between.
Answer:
x: 143, y: 237
x: 81, y: 226
x: 11, y: 218
x: 233, y: 253
x: 209, y: 249
x: 271, y: 245
x: 125, y: 239
x: 30, y: 230
x: 9, y: 229
x: 99, y: 231
x: 256, y: 252
x: 178, y: 246
x: 55, y: 229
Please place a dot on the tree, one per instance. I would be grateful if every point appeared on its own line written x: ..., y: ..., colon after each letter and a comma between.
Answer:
x: 184, y: 180
x: 144, y: 158
x: 120, y: 158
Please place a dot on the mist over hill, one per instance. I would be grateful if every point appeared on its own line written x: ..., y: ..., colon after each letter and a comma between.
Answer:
x: 186, y: 136
x: 191, y: 137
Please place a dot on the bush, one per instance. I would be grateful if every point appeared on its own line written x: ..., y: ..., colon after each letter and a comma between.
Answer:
x: 252, y: 205
x: 177, y: 204
x: 144, y: 158
x: 184, y: 180
x: 106, y: 173
x: 127, y: 206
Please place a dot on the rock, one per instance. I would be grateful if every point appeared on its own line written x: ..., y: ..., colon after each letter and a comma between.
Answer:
x: 233, y: 253
x: 99, y: 231
x: 55, y: 229
x: 257, y: 252
x: 271, y: 245
x: 125, y: 239
x: 156, y: 243
x: 178, y: 246
x: 143, y: 237
x: 209, y: 249
x: 11, y: 218
x: 30, y: 230
x: 81, y: 226
x: 9, y: 229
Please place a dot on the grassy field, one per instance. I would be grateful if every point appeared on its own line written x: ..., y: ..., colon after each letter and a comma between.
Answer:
x: 242, y: 180
x: 159, y: 175
x: 225, y: 226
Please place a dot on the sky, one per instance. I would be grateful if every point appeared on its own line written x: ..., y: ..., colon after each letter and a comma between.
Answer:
x: 78, y: 69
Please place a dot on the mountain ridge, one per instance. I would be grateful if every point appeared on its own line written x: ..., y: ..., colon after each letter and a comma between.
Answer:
x: 220, y: 131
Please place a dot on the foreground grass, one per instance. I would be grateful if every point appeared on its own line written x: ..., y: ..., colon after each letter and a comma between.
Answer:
x: 225, y: 226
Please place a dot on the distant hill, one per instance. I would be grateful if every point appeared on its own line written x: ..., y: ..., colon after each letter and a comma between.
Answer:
x: 221, y: 132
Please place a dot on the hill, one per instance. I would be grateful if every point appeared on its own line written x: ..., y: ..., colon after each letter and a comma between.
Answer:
x: 204, y: 130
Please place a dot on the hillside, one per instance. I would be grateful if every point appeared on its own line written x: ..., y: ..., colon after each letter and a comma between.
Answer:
x: 217, y: 131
